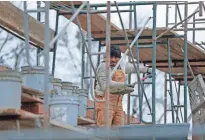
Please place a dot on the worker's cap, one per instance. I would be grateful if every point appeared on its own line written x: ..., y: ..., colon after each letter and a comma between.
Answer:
x: 115, y: 51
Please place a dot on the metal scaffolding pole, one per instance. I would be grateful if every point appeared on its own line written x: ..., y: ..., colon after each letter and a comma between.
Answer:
x: 137, y: 56
x: 185, y: 63
x: 178, y: 101
x: 89, y: 45
x: 26, y: 34
x: 128, y: 101
x: 170, y: 80
x: 94, y: 12
x: 167, y: 15
x: 165, y: 98
x: 39, y: 19
x: 55, y: 44
x: 130, y: 17
x: 99, y: 50
x: 46, y: 60
x: 83, y: 64
x: 141, y: 3
x: 154, y: 64
x: 175, y: 20
x: 193, y: 41
x: 178, y: 9
x: 108, y: 77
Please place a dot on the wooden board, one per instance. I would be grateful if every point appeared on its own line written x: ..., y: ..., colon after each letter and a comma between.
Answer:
x: 11, y: 124
x: 20, y: 114
x: 98, y: 22
x: 31, y: 99
x: 10, y: 112
x: 31, y: 91
x: 13, y: 18
x: 85, y: 121
x: 25, y: 115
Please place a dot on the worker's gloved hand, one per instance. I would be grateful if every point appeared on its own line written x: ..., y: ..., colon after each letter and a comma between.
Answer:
x: 131, y: 85
x: 149, y: 71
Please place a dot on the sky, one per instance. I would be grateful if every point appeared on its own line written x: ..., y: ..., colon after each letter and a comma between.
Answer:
x: 71, y: 70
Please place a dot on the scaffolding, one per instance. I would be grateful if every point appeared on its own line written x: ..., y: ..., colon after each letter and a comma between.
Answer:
x: 133, y: 44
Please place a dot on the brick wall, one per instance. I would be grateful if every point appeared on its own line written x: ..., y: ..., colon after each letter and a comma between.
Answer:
x: 90, y: 112
x: 36, y: 108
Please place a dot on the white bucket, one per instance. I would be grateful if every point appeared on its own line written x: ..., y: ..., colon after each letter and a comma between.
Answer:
x: 83, y: 96
x: 33, y: 77
x: 71, y: 91
x: 10, y: 85
x: 64, y: 109
x: 56, y: 83
x: 66, y: 88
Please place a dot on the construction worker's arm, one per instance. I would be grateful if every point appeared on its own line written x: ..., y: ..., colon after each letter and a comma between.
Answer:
x: 101, y: 71
x: 129, y: 68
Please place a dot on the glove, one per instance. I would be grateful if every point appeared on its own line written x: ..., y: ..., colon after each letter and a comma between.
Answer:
x: 131, y: 85
x: 149, y: 71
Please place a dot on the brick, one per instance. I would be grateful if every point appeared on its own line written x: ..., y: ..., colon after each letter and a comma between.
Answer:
x: 90, y: 112
x: 90, y: 103
x: 4, y: 67
x: 36, y: 108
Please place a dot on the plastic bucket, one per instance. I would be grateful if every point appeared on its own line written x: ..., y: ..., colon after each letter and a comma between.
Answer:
x: 83, y: 96
x: 64, y: 109
x: 33, y: 77
x: 56, y: 86
x: 10, y: 84
x: 66, y: 88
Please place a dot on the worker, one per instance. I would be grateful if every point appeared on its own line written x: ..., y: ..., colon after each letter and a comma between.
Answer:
x: 116, y: 115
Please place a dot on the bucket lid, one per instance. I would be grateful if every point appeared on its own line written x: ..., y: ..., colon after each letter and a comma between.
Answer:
x: 83, y: 91
x: 56, y: 80
x: 10, y: 75
x: 75, y: 89
x: 66, y: 84
x: 33, y: 69
x: 60, y: 99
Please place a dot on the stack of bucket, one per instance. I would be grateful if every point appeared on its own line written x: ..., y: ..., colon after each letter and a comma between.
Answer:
x: 64, y: 107
x: 67, y: 101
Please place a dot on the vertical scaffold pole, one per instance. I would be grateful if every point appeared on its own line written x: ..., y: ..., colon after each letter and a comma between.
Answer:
x: 170, y: 79
x: 107, y: 95
x: 165, y: 98
x: 55, y: 44
x: 185, y: 62
x: 39, y: 19
x: 154, y: 44
x: 46, y: 60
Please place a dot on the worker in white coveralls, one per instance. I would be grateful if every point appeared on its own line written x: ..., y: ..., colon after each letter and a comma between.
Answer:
x: 115, y: 104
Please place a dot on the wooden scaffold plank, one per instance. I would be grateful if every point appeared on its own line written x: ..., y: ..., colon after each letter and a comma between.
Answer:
x: 12, y: 18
